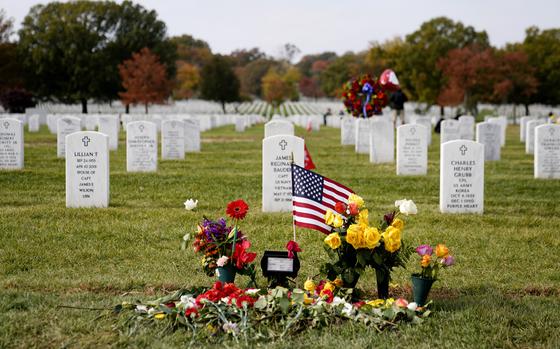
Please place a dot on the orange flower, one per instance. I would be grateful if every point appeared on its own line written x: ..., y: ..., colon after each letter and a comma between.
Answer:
x: 441, y: 250
x: 426, y: 259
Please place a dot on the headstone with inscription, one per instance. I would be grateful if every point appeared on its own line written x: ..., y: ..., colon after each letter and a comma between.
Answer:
x: 277, y: 152
x: 109, y: 125
x: 450, y: 131
x: 461, y: 184
x: 381, y: 141
x: 427, y: 123
x: 547, y: 151
x: 412, y: 151
x: 362, y: 136
x: 172, y: 139
x: 192, y: 136
x: 530, y: 135
x: 489, y: 134
x: 65, y: 126
x: 87, y: 169
x: 11, y: 144
x: 278, y: 127
x: 466, y: 127
x: 141, y: 146
x: 348, y: 131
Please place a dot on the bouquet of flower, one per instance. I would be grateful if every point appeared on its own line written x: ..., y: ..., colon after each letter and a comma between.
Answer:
x: 432, y: 264
x: 354, y: 244
x: 364, y: 96
x: 221, y: 245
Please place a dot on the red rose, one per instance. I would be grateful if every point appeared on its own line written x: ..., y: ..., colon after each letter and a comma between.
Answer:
x: 237, y: 209
x: 354, y: 210
x: 340, y: 207
x: 292, y: 247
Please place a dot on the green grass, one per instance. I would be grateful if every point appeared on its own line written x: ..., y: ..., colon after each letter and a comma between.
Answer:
x: 504, y: 291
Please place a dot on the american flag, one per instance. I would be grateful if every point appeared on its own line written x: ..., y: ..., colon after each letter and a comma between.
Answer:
x: 312, y: 195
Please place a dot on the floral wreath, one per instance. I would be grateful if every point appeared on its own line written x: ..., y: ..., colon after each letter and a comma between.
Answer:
x: 364, y: 96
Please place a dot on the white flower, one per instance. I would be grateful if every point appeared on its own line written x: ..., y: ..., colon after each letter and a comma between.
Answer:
x: 412, y: 306
x: 222, y: 261
x: 190, y: 204
x: 348, y: 309
x: 141, y: 309
x: 252, y: 291
x: 337, y: 301
x: 152, y: 311
x: 406, y: 206
x: 230, y: 327
x: 187, y: 302
x: 186, y: 237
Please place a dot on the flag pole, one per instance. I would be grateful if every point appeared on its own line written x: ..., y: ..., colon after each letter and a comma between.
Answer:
x: 293, y: 220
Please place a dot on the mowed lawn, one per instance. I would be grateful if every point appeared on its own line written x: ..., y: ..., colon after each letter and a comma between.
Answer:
x: 503, y: 292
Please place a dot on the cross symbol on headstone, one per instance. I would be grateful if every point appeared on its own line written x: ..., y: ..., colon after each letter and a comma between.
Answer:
x: 463, y: 149
x: 86, y: 141
x: 413, y: 131
x: 6, y: 125
x: 141, y: 128
x: 283, y: 144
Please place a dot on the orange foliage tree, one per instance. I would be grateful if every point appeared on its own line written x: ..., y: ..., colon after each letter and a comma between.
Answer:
x: 144, y: 79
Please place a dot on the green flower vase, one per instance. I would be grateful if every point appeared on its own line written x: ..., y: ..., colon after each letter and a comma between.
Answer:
x: 382, y: 277
x: 226, y: 273
x: 421, y: 288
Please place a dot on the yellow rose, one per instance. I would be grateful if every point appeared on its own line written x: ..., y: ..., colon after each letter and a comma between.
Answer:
x: 353, y: 198
x: 307, y: 300
x: 376, y: 303
x: 309, y: 285
x: 329, y: 217
x: 329, y: 286
x: 371, y: 237
x: 337, y: 222
x: 338, y: 282
x: 159, y: 316
x: 441, y: 250
x: 398, y: 223
x: 333, y: 240
x: 392, y: 239
x: 354, y: 235
x: 363, y: 218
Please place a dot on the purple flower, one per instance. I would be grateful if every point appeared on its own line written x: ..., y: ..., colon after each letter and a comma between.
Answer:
x: 423, y: 250
x: 215, y: 230
x: 448, y: 260
x: 389, y: 217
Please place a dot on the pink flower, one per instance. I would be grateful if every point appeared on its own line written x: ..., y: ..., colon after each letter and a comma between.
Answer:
x: 423, y: 250
x: 401, y: 303
x: 448, y: 260
x: 292, y: 247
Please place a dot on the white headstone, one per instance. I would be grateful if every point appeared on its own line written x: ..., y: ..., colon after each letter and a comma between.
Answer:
x: 172, y: 139
x: 461, y: 184
x: 192, y: 136
x: 141, y: 146
x: 109, y: 125
x: 547, y: 151
x: 466, y: 127
x: 11, y: 144
x: 278, y: 127
x: 65, y: 126
x: 530, y: 135
x: 87, y: 169
x: 362, y: 136
x: 348, y: 131
x: 240, y: 123
x: 381, y: 141
x: 34, y: 122
x: 502, y: 121
x: 449, y: 131
x: 91, y: 122
x: 523, y: 125
x: 489, y: 134
x: 425, y: 121
x: 277, y: 154
x: 412, y: 150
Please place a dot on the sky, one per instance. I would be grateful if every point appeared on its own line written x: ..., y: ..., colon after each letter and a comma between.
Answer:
x: 316, y: 26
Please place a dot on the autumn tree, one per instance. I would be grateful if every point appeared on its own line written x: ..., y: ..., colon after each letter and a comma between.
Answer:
x: 275, y: 89
x: 341, y: 70
x: 218, y: 82
x: 187, y: 80
x: 144, y: 79
x: 251, y: 75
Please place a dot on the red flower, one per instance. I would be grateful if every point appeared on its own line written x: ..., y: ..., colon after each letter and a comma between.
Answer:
x: 329, y: 295
x: 292, y: 247
x: 237, y: 209
x: 240, y: 256
x: 354, y: 210
x: 192, y: 310
x: 340, y: 207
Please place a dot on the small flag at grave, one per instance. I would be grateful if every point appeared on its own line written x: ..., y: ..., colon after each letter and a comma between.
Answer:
x: 307, y: 161
x: 312, y: 195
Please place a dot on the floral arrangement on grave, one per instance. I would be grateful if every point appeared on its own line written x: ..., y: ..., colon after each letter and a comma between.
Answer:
x: 355, y: 244
x: 365, y: 96
x: 430, y: 264
x: 224, y: 248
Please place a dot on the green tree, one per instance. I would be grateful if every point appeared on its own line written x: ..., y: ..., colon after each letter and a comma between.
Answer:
x: 219, y: 82
x: 417, y: 65
x: 543, y: 51
x: 341, y: 70
x: 71, y: 51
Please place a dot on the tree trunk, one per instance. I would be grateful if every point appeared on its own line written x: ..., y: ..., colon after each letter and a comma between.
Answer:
x: 146, y: 107
x: 224, y: 106
x: 127, y: 109
x: 526, y: 109
x: 84, y: 105
x: 441, y: 111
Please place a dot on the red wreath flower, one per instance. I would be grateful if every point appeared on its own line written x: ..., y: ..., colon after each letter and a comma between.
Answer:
x: 237, y: 209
